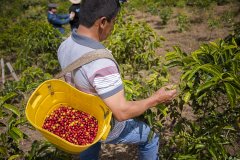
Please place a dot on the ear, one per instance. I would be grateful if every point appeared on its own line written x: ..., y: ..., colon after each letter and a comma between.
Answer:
x: 102, y: 22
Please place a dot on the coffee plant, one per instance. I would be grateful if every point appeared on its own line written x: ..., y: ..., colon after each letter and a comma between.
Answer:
x: 210, y: 85
x: 39, y: 45
x: 235, y: 34
x: 42, y: 150
x: 182, y: 22
x: 12, y: 106
x: 165, y: 15
x: 228, y: 18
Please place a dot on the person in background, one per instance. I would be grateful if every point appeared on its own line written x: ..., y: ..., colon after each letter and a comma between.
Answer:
x: 102, y: 78
x: 75, y: 8
x: 57, y: 20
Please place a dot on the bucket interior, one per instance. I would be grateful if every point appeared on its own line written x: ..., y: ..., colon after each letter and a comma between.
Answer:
x: 51, y: 95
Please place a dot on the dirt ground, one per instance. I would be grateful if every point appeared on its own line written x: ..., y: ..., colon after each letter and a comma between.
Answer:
x: 188, y: 41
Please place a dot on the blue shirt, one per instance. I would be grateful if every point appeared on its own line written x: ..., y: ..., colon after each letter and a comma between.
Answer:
x: 57, y: 20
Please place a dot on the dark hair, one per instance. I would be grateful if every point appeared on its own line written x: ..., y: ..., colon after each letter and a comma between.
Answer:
x: 50, y: 8
x: 92, y: 10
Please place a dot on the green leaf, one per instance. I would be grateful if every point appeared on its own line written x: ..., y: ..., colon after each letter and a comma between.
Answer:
x: 171, y: 55
x: 184, y: 76
x: 17, y: 131
x: 187, y: 157
x: 200, y: 146
x: 200, y: 98
x: 1, y: 113
x: 231, y: 93
x: 187, y: 97
x: 205, y: 86
x: 12, y: 109
x: 174, y: 64
x: 193, y: 71
x: 234, y: 42
x: 164, y: 112
x: 149, y: 118
x: 43, y: 148
x: 195, y: 56
x: 34, y: 149
x: 150, y: 135
x: 211, y: 69
x: 163, y: 109
x: 229, y: 128
x: 214, y: 44
x: 188, y: 61
x: 3, y: 150
x: 14, y: 157
x: 212, y: 153
x: 11, y: 121
x: 14, y: 136
x: 20, y: 121
x: 6, y: 97
x: 3, y: 137
x: 228, y: 79
x: 235, y: 66
x: 234, y: 78
x: 159, y: 124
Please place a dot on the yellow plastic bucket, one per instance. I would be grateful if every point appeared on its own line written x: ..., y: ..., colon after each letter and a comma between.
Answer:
x: 53, y: 93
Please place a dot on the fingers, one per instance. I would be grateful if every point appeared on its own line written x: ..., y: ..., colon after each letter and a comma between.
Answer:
x: 171, y: 91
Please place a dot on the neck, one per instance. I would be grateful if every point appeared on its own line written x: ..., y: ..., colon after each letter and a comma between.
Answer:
x: 91, y: 32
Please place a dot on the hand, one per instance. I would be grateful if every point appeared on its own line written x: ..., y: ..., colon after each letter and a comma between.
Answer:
x: 72, y: 15
x: 165, y: 94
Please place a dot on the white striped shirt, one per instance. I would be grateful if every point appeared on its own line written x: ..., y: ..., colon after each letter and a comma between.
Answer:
x: 100, y: 77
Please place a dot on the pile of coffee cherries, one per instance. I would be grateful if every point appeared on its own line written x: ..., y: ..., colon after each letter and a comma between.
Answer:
x: 75, y: 126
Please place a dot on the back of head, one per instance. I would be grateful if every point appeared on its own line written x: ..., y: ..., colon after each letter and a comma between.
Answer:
x: 51, y: 6
x: 92, y: 10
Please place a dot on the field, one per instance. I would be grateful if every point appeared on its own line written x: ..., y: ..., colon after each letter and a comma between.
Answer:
x: 193, y: 44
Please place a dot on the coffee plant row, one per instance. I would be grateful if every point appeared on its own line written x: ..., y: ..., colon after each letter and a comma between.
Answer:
x: 210, y: 86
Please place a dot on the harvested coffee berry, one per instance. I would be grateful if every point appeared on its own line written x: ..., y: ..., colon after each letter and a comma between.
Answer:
x: 75, y: 126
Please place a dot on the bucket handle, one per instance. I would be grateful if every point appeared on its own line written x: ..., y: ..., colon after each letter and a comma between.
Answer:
x: 50, y: 89
x: 106, y: 113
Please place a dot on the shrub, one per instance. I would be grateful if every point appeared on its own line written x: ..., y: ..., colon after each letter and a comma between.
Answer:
x: 165, y: 15
x: 41, y: 38
x: 182, y: 22
x: 210, y: 86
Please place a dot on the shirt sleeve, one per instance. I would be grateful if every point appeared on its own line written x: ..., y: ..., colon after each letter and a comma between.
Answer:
x: 106, y: 80
x: 57, y: 20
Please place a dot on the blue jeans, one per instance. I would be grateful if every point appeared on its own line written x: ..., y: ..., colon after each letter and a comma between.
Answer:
x: 135, y: 132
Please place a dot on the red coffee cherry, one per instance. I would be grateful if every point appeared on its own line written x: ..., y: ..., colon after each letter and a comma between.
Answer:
x: 75, y: 126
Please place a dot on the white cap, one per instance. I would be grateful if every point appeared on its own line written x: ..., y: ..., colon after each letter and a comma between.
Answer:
x: 52, y: 5
x: 75, y: 1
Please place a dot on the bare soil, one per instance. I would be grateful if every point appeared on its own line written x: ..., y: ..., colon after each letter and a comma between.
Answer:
x: 188, y: 41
